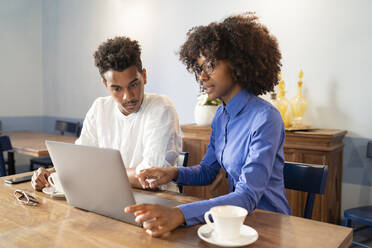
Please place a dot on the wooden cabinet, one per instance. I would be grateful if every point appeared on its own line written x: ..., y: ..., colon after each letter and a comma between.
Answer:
x: 195, y: 140
x: 319, y: 146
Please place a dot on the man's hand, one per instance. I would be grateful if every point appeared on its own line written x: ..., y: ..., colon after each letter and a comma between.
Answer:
x: 157, y: 219
x: 39, y: 179
x: 157, y: 176
x: 131, y: 172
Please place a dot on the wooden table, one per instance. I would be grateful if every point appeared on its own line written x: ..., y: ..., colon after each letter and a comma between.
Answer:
x: 56, y: 224
x: 31, y: 143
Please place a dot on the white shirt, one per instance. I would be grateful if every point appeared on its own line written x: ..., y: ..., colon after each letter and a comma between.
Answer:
x: 148, y: 138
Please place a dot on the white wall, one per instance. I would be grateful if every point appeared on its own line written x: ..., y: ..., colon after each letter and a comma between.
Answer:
x: 329, y: 40
x: 21, y: 85
x: 71, y: 32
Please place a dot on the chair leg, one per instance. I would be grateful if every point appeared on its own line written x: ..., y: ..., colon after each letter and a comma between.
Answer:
x: 11, y: 163
x: 360, y: 244
x: 347, y: 222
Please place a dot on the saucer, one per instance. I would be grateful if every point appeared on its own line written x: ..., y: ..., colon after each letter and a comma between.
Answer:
x: 247, y: 236
x: 51, y: 191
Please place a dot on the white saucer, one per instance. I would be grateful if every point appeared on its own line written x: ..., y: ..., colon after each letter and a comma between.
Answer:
x: 247, y: 236
x: 51, y: 191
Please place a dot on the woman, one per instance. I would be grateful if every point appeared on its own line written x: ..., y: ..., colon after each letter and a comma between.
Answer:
x: 234, y: 60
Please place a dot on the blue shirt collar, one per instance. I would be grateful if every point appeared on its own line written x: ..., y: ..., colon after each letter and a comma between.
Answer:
x: 237, y: 103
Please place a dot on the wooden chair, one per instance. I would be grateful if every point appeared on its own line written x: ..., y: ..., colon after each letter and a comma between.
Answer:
x: 62, y: 127
x: 182, y: 161
x: 66, y: 126
x: 5, y: 145
x: 362, y: 215
x: 1, y: 128
x: 307, y: 178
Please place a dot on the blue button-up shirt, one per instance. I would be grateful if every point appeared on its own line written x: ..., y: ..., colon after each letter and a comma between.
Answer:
x: 247, y: 142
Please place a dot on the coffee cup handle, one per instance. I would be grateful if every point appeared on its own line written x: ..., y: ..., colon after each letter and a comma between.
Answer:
x: 50, y: 181
x: 206, y: 218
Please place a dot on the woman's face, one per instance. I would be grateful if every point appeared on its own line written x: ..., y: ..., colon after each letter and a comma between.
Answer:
x: 216, y: 79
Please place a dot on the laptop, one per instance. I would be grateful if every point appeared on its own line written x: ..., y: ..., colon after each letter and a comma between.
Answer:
x: 95, y: 179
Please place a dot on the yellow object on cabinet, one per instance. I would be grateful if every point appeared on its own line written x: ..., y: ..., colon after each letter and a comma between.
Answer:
x: 283, y: 103
x: 298, y: 104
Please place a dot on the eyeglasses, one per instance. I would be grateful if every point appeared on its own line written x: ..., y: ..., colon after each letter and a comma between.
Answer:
x: 24, y: 198
x: 206, y: 67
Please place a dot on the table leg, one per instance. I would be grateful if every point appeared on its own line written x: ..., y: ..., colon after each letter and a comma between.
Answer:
x: 11, y: 163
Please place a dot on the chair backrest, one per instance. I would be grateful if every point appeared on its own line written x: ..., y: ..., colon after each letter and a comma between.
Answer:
x: 66, y: 126
x: 369, y: 149
x: 307, y: 178
x: 5, y: 145
x: 182, y: 161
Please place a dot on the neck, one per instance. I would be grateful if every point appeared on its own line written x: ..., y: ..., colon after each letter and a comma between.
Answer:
x: 233, y: 92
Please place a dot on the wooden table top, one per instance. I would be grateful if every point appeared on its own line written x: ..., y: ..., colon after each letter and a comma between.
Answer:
x: 54, y: 223
x: 33, y: 143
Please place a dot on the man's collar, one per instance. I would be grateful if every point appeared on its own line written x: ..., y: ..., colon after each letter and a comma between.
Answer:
x: 237, y: 103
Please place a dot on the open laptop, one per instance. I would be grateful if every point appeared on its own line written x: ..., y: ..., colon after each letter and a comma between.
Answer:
x: 95, y: 179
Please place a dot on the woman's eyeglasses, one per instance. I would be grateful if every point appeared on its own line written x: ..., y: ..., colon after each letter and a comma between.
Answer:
x: 24, y: 198
x: 206, y: 67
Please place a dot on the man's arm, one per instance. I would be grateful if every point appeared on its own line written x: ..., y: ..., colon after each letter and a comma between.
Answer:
x: 162, y: 141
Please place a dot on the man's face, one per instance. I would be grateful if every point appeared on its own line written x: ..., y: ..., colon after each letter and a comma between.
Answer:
x: 126, y: 87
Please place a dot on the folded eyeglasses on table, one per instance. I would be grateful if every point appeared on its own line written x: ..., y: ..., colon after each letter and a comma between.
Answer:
x: 25, y: 198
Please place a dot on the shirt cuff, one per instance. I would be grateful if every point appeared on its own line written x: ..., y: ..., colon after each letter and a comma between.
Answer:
x: 181, y: 174
x: 194, y: 212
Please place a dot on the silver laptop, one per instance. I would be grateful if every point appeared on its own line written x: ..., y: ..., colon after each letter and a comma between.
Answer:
x: 95, y: 179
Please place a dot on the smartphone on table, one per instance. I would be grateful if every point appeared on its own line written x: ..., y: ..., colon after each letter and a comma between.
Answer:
x: 15, y: 180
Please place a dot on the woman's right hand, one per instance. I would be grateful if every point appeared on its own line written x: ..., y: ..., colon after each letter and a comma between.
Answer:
x: 155, y: 176
x: 39, y: 179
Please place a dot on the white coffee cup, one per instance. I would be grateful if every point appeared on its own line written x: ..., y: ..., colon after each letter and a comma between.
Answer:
x: 53, y: 180
x: 227, y: 221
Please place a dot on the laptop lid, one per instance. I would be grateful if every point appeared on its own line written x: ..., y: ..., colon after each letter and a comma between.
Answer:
x: 93, y: 179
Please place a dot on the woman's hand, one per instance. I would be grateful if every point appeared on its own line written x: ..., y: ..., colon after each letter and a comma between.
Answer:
x: 157, y: 219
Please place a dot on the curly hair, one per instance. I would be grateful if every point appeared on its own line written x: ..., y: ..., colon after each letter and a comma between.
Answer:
x: 252, y: 54
x: 117, y: 54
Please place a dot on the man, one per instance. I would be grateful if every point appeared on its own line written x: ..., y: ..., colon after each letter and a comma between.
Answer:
x: 144, y: 127
x: 235, y: 60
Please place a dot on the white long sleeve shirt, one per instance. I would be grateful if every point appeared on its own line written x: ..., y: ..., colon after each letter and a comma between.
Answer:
x: 148, y: 138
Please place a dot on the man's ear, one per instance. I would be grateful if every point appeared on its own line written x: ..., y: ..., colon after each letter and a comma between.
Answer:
x: 104, y: 82
x: 144, y: 76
